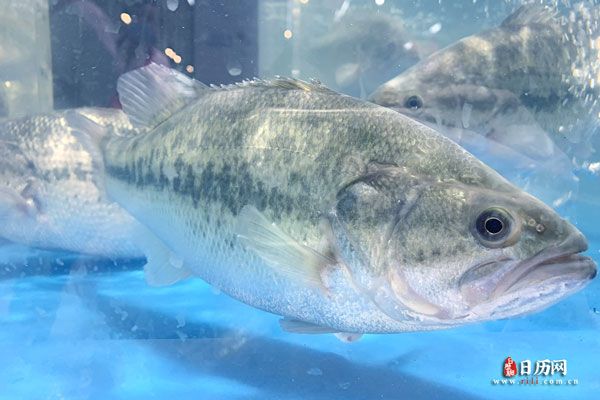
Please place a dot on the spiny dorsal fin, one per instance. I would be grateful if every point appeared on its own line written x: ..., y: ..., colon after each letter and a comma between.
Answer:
x: 151, y: 94
x: 280, y: 83
x: 280, y: 251
x: 530, y: 14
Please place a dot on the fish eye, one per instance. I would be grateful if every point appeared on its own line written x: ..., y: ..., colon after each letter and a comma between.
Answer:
x: 413, y: 102
x: 493, y: 227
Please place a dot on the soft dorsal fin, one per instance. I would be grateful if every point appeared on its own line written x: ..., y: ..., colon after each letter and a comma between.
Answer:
x: 151, y: 94
x: 280, y: 251
x: 530, y: 14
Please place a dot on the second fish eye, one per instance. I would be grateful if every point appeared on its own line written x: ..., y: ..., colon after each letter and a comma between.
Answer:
x: 414, y: 102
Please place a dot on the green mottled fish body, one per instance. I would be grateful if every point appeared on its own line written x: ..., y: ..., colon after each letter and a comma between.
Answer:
x: 520, y: 83
x: 256, y: 187
x: 50, y: 195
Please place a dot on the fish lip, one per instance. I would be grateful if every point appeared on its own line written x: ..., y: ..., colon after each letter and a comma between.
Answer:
x: 581, y: 266
x: 566, y: 254
x: 512, y: 275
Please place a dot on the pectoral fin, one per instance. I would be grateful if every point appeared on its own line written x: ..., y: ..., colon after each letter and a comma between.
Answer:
x: 279, y: 250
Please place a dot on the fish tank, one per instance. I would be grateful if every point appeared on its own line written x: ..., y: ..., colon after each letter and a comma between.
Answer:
x: 299, y: 199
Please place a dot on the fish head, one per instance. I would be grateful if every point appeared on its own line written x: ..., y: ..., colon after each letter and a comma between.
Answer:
x: 526, y: 256
x: 411, y: 93
x: 429, y: 94
x: 446, y: 253
x: 460, y: 109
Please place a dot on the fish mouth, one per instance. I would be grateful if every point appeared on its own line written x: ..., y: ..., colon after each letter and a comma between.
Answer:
x: 514, y: 287
x: 566, y: 267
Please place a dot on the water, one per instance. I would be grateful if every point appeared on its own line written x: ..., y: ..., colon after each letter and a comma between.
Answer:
x: 76, y: 333
x: 88, y: 327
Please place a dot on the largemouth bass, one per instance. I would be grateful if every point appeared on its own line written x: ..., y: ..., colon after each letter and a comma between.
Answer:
x: 528, y: 84
x: 338, y: 214
x: 50, y: 195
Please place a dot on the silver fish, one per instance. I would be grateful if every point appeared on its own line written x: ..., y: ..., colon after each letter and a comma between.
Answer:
x: 50, y: 196
x: 338, y: 214
x: 516, y: 84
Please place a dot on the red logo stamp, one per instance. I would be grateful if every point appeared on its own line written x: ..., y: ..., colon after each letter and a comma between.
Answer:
x: 510, y: 368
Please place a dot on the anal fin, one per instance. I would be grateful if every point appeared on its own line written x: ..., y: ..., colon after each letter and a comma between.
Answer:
x: 163, y: 267
x: 296, y: 326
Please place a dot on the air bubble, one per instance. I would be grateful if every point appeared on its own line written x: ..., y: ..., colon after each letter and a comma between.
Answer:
x: 172, y: 5
x: 234, y: 68
x: 435, y: 28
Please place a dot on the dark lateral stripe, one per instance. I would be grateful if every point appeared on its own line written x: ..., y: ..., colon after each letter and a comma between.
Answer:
x: 231, y: 188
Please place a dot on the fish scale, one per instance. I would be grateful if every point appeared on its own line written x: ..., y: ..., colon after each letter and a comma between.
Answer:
x: 518, y: 95
x: 252, y: 203
x: 50, y: 196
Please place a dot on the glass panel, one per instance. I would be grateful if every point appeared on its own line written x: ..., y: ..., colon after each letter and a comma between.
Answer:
x: 211, y: 199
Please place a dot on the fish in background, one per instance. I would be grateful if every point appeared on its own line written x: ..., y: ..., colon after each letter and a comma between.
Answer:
x: 340, y: 215
x: 50, y: 195
x: 520, y: 85
x: 363, y: 48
